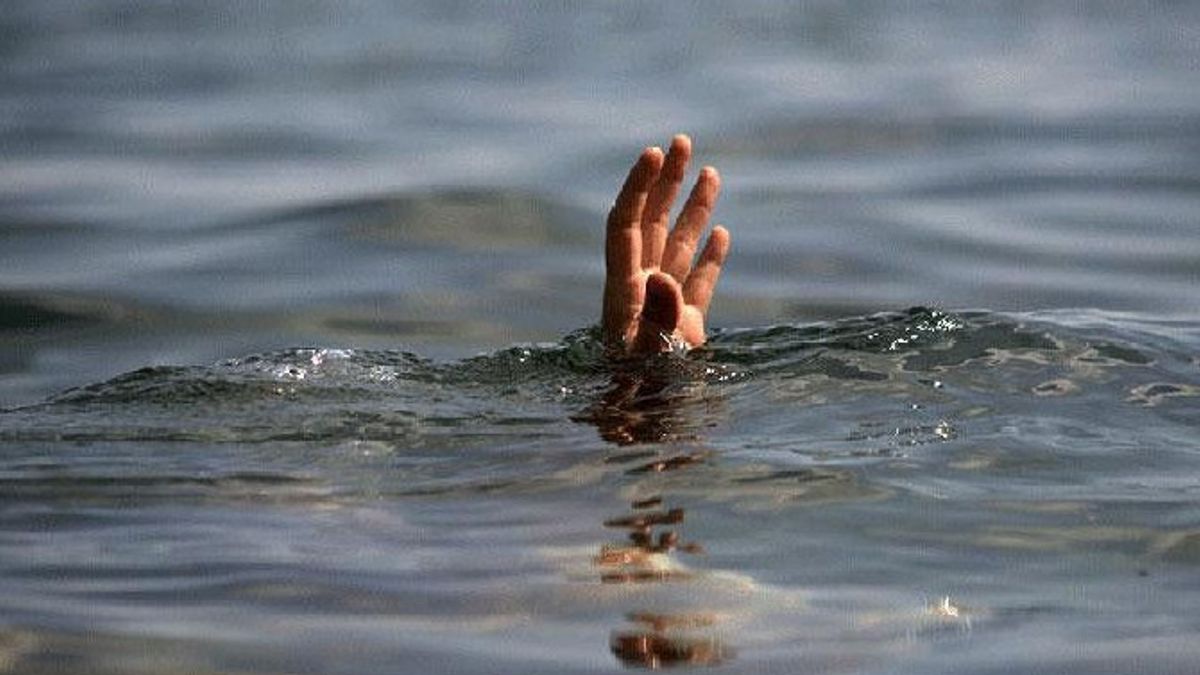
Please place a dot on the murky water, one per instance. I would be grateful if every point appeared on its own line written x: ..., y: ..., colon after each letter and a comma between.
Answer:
x: 262, y: 266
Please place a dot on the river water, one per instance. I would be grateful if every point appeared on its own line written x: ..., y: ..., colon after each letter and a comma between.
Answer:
x: 297, y: 371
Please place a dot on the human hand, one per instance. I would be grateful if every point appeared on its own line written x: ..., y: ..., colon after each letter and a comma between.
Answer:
x: 653, y: 295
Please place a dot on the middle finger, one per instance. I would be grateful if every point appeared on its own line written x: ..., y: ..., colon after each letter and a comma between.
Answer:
x: 657, y: 215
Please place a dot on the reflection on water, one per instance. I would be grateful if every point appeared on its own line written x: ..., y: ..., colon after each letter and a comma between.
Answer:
x: 650, y: 403
x: 659, y: 400
x: 659, y: 639
x: 868, y: 494
x: 905, y: 492
x: 659, y: 648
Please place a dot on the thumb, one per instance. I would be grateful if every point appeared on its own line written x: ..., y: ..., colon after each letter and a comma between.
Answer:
x: 660, y: 313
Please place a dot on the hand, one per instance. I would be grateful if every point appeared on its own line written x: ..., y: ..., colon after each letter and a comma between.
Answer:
x: 653, y: 295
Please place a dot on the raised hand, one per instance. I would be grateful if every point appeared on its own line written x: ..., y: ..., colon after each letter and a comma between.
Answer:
x: 654, y: 298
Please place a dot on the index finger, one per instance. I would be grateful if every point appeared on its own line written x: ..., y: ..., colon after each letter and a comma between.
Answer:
x: 623, y: 236
x: 657, y: 215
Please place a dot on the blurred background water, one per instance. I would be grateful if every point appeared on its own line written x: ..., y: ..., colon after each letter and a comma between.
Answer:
x: 183, y: 183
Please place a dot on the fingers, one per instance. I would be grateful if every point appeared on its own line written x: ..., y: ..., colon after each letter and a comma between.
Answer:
x: 681, y: 243
x: 657, y: 216
x: 623, y: 238
x: 698, y: 290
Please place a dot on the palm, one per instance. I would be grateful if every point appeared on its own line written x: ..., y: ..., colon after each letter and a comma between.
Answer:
x: 653, y: 295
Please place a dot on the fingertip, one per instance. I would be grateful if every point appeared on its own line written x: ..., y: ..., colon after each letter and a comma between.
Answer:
x: 676, y: 161
x: 710, y: 174
x: 717, y: 247
x: 648, y: 164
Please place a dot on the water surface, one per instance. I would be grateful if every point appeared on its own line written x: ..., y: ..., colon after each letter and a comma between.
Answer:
x: 897, y: 493
x: 262, y: 268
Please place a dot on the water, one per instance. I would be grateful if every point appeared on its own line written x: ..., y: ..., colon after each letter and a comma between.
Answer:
x: 903, y: 492
x: 262, y: 267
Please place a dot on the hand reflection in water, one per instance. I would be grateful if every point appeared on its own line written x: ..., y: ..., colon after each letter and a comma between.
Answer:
x: 658, y: 638
x: 655, y: 299
x: 657, y: 402
x: 660, y: 400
